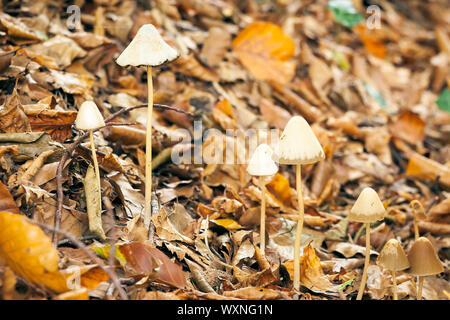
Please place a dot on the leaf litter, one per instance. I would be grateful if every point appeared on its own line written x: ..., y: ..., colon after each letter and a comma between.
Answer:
x: 377, y: 99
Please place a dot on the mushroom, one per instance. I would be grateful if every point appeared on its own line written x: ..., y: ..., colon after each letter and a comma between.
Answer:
x: 298, y: 145
x: 424, y: 261
x: 419, y: 214
x: 147, y: 49
x: 393, y: 258
x: 262, y: 165
x: 90, y: 118
x: 367, y: 209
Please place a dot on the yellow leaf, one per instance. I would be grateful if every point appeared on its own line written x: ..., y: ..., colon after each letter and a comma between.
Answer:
x: 29, y: 252
x: 312, y: 275
x: 279, y: 186
x: 265, y: 51
x: 230, y: 224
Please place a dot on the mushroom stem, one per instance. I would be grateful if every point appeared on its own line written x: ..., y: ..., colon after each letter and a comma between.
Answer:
x: 416, y: 228
x: 366, y: 264
x: 394, y: 280
x: 263, y: 217
x: 298, y: 236
x: 148, y: 154
x: 419, y: 291
x: 96, y: 169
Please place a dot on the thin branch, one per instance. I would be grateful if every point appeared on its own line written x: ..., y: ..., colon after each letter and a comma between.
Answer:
x: 112, y: 275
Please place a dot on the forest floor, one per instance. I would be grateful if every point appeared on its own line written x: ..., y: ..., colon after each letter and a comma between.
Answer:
x: 372, y: 81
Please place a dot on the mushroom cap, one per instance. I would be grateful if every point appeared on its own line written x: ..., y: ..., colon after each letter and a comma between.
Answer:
x: 147, y: 49
x: 261, y: 163
x: 367, y: 208
x: 423, y: 259
x: 89, y: 117
x: 298, y: 144
x: 392, y: 257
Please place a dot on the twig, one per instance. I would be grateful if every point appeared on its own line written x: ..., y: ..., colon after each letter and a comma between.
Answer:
x: 112, y: 275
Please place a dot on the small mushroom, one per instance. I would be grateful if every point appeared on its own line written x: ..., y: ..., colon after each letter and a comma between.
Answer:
x: 419, y: 214
x: 298, y: 145
x: 147, y: 49
x: 393, y: 258
x: 90, y: 118
x: 262, y: 165
x: 424, y: 261
x: 367, y: 209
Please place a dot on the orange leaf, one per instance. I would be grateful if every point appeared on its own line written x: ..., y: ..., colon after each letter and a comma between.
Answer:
x: 279, y: 186
x: 29, y: 252
x: 424, y: 168
x: 92, y: 278
x: 264, y: 50
x: 371, y: 42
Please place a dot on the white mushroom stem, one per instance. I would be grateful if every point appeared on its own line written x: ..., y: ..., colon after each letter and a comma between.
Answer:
x: 298, y: 236
x: 366, y: 264
x: 394, y: 281
x: 263, y: 216
x: 96, y: 169
x: 419, y: 291
x: 148, y: 154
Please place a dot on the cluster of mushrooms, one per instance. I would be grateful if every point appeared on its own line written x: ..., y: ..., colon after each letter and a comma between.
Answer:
x: 298, y: 145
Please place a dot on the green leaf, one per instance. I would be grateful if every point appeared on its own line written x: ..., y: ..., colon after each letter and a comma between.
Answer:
x: 344, y: 12
x: 103, y: 252
x: 376, y: 95
x: 341, y: 60
x: 345, y: 284
x: 443, y: 101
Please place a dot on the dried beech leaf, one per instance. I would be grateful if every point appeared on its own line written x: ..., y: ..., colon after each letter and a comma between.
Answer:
x: 29, y: 252
x: 265, y: 51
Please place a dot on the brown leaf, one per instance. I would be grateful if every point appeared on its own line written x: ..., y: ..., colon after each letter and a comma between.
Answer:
x: 142, y: 259
x: 6, y: 200
x: 409, y: 127
x: 188, y: 65
x: 58, y: 124
x: 12, y: 116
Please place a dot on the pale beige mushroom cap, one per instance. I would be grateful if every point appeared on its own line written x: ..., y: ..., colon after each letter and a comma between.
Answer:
x: 89, y: 117
x: 147, y: 49
x: 392, y: 257
x: 423, y: 259
x: 298, y: 144
x: 261, y: 163
x: 367, y: 208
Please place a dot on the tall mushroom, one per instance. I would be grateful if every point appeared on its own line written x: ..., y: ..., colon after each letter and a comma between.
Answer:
x: 262, y: 165
x: 90, y: 118
x: 367, y: 209
x: 298, y: 145
x: 393, y: 258
x: 147, y: 49
x: 424, y: 261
